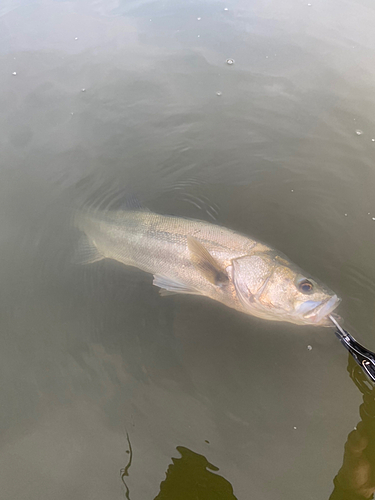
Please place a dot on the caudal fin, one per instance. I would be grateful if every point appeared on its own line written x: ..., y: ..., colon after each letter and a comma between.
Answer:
x: 86, y: 252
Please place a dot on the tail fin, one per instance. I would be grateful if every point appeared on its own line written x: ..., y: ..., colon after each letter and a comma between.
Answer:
x: 86, y: 252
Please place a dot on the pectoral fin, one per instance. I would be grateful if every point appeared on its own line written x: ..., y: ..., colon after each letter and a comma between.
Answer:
x: 86, y: 252
x: 205, y: 263
x: 169, y: 286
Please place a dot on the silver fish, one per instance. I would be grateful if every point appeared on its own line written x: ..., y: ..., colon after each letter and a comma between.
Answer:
x: 195, y: 257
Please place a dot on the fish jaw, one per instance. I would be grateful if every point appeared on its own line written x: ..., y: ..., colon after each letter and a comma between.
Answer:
x: 318, y: 315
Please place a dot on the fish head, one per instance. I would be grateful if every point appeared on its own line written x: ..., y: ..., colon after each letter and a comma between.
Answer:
x: 269, y: 286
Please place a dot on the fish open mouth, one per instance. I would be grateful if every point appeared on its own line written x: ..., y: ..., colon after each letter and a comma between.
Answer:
x: 319, y: 313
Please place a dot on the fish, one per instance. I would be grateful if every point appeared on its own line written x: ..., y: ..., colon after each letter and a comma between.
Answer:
x: 188, y: 256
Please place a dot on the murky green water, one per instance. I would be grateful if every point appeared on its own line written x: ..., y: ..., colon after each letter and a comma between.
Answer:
x: 279, y: 145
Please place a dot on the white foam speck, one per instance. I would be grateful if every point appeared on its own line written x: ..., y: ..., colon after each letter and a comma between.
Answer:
x: 309, y: 347
x: 14, y: 73
x: 359, y: 131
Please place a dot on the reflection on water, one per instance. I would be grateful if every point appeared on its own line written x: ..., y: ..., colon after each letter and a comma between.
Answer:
x: 125, y: 470
x: 190, y: 477
x: 356, y: 478
x: 267, y: 147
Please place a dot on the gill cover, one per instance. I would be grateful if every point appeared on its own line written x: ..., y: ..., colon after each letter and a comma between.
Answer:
x: 250, y: 275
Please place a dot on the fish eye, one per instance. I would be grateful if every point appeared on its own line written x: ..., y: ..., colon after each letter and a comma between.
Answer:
x: 305, y: 286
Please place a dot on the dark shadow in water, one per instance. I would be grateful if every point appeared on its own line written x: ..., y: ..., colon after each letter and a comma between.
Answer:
x: 356, y: 478
x: 125, y: 471
x: 190, y: 477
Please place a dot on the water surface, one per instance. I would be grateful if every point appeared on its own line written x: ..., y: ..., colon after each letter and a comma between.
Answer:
x: 279, y: 145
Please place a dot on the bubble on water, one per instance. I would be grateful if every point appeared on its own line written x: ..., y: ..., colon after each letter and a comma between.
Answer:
x: 219, y: 93
x: 226, y: 8
x: 266, y: 57
x: 295, y: 428
x: 368, y: 213
x: 199, y: 36
x: 230, y: 61
x: 83, y: 90
x: 309, y: 347
x: 292, y: 190
x: 346, y: 215
x: 199, y: 18
x: 373, y: 140
x: 14, y: 73
x: 76, y: 38
x: 309, y: 4
x: 359, y: 131
x: 373, y: 218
